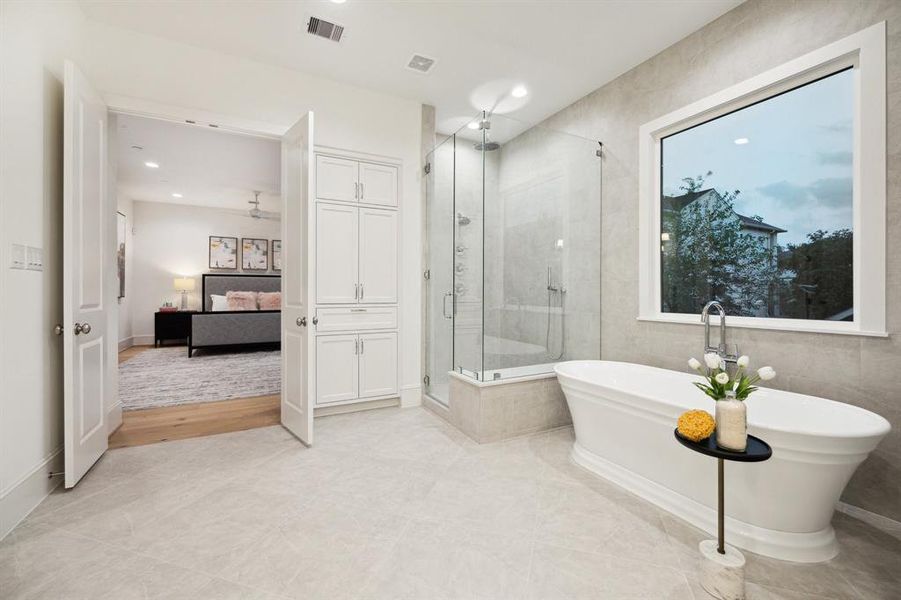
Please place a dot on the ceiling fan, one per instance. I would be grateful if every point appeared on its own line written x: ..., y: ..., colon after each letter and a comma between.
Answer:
x: 256, y: 213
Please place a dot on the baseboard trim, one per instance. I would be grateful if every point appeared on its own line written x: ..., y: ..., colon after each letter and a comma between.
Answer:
x: 126, y: 343
x: 142, y: 340
x: 324, y: 411
x: 883, y: 523
x: 411, y: 395
x: 20, y: 498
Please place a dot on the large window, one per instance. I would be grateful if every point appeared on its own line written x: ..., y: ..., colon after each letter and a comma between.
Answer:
x: 757, y: 207
x: 769, y: 197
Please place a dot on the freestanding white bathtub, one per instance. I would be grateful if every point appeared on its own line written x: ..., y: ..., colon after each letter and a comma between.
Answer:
x: 624, y: 415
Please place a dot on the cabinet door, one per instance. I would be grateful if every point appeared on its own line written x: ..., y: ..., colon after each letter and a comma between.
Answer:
x: 378, y: 184
x: 336, y: 179
x: 378, y: 255
x: 337, y: 370
x: 378, y: 364
x: 337, y: 227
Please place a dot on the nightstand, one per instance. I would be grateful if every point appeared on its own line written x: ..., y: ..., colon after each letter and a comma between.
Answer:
x: 172, y: 326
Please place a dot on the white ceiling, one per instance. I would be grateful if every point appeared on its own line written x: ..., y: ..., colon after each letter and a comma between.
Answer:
x: 207, y: 167
x: 560, y: 50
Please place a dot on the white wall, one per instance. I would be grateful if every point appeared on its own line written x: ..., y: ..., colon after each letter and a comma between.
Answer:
x: 172, y: 240
x: 141, y: 72
x: 35, y: 39
x: 152, y: 75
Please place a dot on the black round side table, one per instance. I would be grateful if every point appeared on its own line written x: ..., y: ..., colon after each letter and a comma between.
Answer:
x: 756, y: 451
x: 722, y: 572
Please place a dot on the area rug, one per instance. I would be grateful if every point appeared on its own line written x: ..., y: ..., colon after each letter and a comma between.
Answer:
x: 167, y: 377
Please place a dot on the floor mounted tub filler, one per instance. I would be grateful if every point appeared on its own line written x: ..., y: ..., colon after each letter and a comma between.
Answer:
x: 624, y: 414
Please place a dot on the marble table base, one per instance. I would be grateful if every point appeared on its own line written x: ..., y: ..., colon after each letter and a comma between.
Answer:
x: 722, y: 575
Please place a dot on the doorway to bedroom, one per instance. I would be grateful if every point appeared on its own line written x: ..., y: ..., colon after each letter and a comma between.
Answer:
x: 199, y: 275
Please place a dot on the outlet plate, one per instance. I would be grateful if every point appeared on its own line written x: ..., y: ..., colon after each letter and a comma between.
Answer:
x: 17, y: 257
x: 34, y: 258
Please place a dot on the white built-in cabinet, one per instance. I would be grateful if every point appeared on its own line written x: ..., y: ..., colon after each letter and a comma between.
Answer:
x: 357, y: 263
x: 346, y: 180
x: 356, y: 367
x: 356, y: 250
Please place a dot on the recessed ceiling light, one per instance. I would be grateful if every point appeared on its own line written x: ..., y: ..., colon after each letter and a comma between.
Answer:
x: 152, y: 165
x: 473, y: 125
x: 338, y: 1
x: 519, y: 91
x: 176, y: 195
x: 741, y: 141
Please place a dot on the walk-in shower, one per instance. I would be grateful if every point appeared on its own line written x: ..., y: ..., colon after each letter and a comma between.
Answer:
x: 514, y: 251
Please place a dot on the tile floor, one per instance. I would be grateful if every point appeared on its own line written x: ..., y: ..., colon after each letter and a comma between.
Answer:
x: 392, y: 504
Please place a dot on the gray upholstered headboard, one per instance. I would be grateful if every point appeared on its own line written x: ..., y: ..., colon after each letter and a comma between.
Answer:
x: 219, y: 283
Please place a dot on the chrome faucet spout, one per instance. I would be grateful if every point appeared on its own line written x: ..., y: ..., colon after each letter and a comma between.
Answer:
x: 705, y: 318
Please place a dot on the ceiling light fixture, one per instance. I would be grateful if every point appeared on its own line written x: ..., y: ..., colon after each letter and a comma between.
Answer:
x: 473, y: 125
x: 519, y: 91
x: 741, y: 141
x: 177, y: 195
x: 338, y: 1
x: 151, y: 165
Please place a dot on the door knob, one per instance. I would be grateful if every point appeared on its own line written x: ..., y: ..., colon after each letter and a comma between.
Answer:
x: 84, y: 328
x: 58, y: 329
x: 301, y: 321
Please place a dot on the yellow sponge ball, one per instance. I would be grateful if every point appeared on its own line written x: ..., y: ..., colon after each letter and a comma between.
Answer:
x: 696, y: 425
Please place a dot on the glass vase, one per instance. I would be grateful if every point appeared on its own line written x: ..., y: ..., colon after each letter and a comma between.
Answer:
x: 732, y: 424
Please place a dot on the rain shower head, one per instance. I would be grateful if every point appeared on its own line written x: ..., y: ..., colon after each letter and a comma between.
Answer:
x: 487, y: 146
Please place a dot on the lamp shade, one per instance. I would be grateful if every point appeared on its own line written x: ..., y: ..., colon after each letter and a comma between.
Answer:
x: 184, y: 284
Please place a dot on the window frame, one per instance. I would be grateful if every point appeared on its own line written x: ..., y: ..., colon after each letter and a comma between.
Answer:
x: 864, y: 51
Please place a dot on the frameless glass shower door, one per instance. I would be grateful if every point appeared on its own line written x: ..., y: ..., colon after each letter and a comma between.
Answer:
x: 440, y: 265
x: 514, y: 242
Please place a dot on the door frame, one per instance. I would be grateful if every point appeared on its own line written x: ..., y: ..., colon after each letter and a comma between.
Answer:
x: 124, y: 105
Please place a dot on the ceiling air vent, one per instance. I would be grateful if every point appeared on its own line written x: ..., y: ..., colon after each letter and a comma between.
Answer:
x: 329, y: 31
x: 420, y: 63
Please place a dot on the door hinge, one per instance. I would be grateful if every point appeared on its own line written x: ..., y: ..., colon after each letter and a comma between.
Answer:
x: 427, y: 168
x: 426, y: 380
x: 427, y: 274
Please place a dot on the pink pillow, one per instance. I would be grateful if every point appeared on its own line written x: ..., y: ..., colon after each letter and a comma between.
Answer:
x: 241, y: 300
x: 270, y: 300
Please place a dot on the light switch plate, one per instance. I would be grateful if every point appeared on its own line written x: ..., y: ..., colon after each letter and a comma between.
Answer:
x: 17, y: 257
x: 35, y: 258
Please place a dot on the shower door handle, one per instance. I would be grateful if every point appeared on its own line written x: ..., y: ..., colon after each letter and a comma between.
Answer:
x: 444, y: 305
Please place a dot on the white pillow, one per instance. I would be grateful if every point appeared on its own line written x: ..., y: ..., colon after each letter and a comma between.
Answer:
x: 219, y: 303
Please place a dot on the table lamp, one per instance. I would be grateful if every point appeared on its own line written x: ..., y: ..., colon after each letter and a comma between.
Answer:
x: 184, y: 285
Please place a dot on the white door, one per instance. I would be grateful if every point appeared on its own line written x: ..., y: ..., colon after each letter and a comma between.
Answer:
x: 378, y: 255
x: 336, y: 253
x: 88, y: 251
x: 297, y: 191
x: 336, y: 179
x: 337, y: 373
x: 378, y: 364
x: 378, y: 184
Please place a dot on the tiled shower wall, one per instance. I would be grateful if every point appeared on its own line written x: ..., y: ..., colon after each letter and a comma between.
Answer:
x: 755, y: 36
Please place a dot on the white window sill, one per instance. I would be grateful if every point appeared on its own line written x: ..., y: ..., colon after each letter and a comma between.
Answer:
x: 793, y: 325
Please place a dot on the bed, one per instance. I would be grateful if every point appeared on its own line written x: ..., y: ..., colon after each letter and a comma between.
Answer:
x: 230, y: 328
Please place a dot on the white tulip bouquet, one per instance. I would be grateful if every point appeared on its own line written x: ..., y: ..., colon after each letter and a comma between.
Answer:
x: 719, y: 381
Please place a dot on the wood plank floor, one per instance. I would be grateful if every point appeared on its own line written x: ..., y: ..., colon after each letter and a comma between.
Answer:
x: 152, y: 425
x: 132, y: 352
